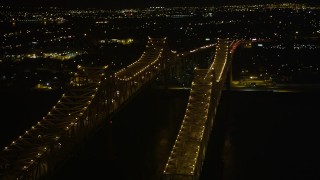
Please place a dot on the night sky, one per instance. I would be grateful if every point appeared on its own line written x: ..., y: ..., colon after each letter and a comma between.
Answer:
x: 140, y: 3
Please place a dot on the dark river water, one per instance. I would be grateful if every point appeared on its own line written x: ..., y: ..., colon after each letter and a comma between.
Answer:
x: 265, y: 135
x: 257, y: 135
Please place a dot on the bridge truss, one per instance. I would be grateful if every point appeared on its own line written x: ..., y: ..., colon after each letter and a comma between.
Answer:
x: 94, y: 94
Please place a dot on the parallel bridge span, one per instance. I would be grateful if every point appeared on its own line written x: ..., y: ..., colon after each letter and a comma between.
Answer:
x: 188, y: 153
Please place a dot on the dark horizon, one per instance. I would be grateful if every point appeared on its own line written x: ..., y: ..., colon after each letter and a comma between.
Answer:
x: 141, y: 3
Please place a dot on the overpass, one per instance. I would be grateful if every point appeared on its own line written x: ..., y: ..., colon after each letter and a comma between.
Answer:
x: 94, y: 95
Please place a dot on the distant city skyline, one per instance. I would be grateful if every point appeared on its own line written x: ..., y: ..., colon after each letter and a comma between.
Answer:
x: 141, y: 3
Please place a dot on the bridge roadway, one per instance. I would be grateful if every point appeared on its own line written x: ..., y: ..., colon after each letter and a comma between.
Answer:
x: 94, y: 94
x: 188, y: 153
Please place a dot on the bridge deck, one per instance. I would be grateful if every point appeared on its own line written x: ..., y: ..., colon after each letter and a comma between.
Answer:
x: 220, y: 58
x: 186, y: 158
x: 185, y: 153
